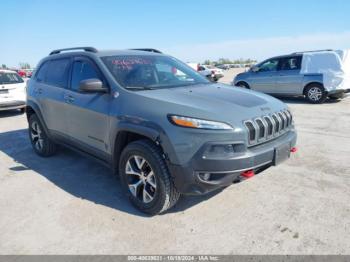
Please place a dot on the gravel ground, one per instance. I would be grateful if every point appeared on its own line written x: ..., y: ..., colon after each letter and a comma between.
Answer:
x: 67, y: 204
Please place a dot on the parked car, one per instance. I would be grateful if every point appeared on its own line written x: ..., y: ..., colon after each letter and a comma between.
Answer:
x: 236, y: 66
x: 313, y: 74
x: 164, y: 133
x: 28, y: 72
x: 216, y: 73
x: 22, y: 73
x: 204, y: 72
x: 223, y: 67
x: 12, y: 91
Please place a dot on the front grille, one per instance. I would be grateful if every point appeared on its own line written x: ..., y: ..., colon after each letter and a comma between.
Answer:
x: 268, y: 127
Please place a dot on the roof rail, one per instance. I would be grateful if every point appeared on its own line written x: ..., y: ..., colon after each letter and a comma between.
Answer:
x: 85, y: 48
x: 311, y: 51
x: 147, y: 50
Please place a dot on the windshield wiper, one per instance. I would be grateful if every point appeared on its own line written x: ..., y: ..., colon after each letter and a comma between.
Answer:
x: 139, y: 88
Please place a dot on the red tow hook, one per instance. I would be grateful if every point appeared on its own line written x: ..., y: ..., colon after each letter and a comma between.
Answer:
x: 293, y: 150
x: 248, y: 174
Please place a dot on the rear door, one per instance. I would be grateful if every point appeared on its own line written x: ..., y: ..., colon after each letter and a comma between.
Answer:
x: 264, y: 80
x: 51, y: 83
x: 289, y: 80
x: 88, y: 125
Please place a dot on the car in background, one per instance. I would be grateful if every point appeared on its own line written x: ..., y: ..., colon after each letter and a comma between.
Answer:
x: 204, y: 72
x: 236, y: 66
x: 313, y: 74
x: 223, y: 67
x: 216, y: 73
x: 12, y: 91
x: 29, y: 72
x: 21, y: 73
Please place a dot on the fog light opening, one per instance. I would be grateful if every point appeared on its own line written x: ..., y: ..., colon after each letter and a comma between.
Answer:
x: 204, y: 176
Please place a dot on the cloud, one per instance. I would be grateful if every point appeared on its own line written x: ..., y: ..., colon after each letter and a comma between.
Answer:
x: 260, y: 48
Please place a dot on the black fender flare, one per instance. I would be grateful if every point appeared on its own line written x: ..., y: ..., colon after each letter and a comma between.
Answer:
x: 151, y: 131
x: 37, y: 111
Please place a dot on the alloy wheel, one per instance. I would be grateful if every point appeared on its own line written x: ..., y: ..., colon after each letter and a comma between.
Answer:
x: 141, y: 179
x: 36, y: 135
x: 314, y: 93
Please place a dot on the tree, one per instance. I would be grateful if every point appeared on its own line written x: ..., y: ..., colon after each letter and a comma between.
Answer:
x: 24, y: 65
x: 224, y: 61
x: 207, y: 62
x: 3, y: 66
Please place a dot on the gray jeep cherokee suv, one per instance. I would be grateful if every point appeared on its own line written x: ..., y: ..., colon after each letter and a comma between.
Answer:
x: 165, y: 129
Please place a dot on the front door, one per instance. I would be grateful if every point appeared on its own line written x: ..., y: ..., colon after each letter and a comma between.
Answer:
x: 289, y: 80
x: 88, y: 125
x: 264, y: 79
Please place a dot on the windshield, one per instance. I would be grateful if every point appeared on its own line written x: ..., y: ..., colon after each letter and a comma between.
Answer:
x: 151, y: 72
x: 10, y: 78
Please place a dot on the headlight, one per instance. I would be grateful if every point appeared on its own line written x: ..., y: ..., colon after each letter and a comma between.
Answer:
x: 198, y: 123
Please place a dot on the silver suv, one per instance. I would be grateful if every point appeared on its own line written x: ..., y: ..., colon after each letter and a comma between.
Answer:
x: 162, y: 127
x: 282, y: 75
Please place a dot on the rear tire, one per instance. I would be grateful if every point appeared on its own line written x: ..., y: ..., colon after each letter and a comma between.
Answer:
x: 315, y: 93
x: 39, y: 139
x: 145, y: 178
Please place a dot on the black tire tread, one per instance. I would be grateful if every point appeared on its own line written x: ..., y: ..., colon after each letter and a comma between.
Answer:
x: 324, y: 95
x: 171, y: 193
x: 50, y: 147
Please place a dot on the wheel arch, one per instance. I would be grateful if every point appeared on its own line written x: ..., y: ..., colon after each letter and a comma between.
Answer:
x: 310, y: 84
x: 128, y: 133
x: 33, y: 108
x: 245, y: 83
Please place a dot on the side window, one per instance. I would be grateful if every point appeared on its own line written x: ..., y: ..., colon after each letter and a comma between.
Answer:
x: 41, y: 74
x: 57, y: 73
x: 82, y: 70
x: 290, y: 63
x: 269, y: 65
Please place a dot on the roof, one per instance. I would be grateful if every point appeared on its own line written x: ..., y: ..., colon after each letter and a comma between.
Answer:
x: 92, y: 50
x: 125, y: 52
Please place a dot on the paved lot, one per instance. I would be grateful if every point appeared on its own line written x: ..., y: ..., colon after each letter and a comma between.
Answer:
x: 69, y: 205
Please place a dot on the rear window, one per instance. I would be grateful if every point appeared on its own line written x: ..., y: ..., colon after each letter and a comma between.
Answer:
x: 41, y: 74
x: 10, y: 78
x: 57, y: 73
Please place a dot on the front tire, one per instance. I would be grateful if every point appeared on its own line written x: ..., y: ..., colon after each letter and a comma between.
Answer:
x: 243, y: 85
x: 40, y: 141
x: 146, y: 179
x: 315, y: 94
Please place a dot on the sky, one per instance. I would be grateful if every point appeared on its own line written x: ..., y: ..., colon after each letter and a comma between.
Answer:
x: 190, y: 30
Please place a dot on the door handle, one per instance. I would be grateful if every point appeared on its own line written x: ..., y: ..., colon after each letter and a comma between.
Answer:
x: 38, y: 90
x: 68, y: 98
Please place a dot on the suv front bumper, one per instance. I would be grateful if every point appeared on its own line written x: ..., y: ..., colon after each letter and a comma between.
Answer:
x: 188, y: 179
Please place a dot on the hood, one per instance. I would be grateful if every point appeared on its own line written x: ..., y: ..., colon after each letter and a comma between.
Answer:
x: 215, y: 101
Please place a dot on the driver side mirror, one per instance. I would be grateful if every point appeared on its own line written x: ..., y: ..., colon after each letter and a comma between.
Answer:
x: 92, y: 85
x: 255, y: 69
